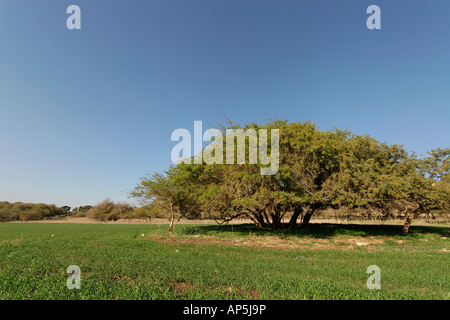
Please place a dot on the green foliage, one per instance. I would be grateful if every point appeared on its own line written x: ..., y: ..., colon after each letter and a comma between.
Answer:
x: 28, y: 211
x: 66, y: 210
x: 146, y: 212
x: 81, y: 211
x: 169, y: 193
x: 437, y: 165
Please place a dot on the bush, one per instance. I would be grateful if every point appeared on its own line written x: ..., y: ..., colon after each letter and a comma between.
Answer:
x: 81, y: 211
x: 149, y: 211
x: 107, y: 210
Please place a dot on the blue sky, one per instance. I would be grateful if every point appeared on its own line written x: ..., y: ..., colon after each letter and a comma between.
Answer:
x: 85, y: 113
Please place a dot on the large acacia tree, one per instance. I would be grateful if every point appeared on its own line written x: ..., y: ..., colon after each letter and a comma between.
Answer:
x: 317, y: 169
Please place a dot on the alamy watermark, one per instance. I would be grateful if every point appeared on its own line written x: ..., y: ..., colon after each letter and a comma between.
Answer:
x: 74, y: 281
x: 74, y: 20
x: 235, y: 147
x: 374, y: 281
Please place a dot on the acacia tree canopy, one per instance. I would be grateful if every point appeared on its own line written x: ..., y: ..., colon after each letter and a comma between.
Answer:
x: 317, y: 169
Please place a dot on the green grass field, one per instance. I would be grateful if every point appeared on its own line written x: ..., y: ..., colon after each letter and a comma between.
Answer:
x: 120, y: 261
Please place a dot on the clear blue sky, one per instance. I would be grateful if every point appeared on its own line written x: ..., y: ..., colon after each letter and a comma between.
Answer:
x: 85, y: 113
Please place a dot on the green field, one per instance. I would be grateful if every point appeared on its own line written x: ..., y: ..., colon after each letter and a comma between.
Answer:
x: 141, y: 261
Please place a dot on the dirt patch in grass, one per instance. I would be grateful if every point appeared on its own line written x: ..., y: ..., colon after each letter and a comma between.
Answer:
x: 275, y: 242
x: 16, y: 242
x: 232, y: 291
x: 184, y: 288
x: 122, y: 278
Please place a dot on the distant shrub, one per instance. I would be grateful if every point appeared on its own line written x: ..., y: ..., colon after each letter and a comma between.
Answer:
x: 79, y: 214
x: 81, y: 211
x: 107, y: 210
x: 148, y: 212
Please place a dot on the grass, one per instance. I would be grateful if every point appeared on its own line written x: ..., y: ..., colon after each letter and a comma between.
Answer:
x: 222, y: 262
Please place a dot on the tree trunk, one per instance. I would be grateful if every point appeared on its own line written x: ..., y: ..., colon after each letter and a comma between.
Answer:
x: 257, y: 219
x: 261, y: 221
x: 306, y: 218
x: 265, y: 218
x: 409, y: 218
x: 273, y: 223
x: 172, y: 218
x: 295, y: 215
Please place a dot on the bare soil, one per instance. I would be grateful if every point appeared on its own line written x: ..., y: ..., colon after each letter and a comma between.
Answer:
x: 276, y: 242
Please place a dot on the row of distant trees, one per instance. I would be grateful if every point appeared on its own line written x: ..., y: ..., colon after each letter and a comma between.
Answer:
x: 19, y: 211
x: 28, y: 211
x: 78, y: 211
x: 107, y: 210
x: 318, y: 170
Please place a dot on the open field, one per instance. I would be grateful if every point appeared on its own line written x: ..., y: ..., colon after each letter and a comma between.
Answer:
x: 201, y: 261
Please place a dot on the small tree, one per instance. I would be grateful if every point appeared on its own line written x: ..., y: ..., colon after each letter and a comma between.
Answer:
x: 168, y: 192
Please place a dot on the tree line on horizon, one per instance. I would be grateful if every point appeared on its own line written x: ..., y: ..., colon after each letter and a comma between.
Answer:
x: 106, y: 210
x: 20, y: 211
x: 318, y: 170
